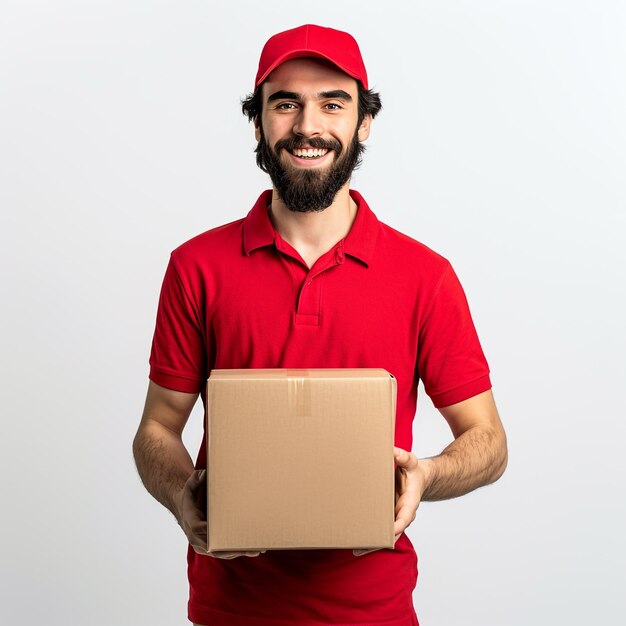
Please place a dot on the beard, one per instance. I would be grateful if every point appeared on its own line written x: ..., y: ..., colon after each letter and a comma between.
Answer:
x: 308, y: 190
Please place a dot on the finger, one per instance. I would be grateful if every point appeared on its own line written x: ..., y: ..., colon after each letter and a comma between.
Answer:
x: 193, y: 507
x: 232, y: 555
x: 196, y: 481
x: 406, y: 510
x: 401, y: 524
x: 403, y: 520
x: 193, y: 517
x: 406, y: 507
x: 408, y: 494
x: 362, y: 552
x: 408, y: 500
x: 193, y: 481
x: 224, y: 555
x: 199, y: 548
x: 196, y: 532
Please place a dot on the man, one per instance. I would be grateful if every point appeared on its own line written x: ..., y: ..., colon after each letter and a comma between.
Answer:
x: 311, y: 278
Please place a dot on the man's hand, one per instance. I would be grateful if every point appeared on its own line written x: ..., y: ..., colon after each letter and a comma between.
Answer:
x: 477, y: 457
x: 410, y: 481
x: 410, y: 485
x: 166, y: 468
x: 192, y: 518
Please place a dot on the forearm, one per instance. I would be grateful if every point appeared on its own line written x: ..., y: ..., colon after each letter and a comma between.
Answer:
x: 474, y: 459
x: 163, y: 463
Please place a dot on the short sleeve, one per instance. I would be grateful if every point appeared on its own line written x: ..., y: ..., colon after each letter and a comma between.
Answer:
x: 451, y: 362
x: 178, y: 359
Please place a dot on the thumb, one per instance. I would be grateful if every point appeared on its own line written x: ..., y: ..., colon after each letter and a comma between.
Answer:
x: 401, y: 456
x: 405, y: 459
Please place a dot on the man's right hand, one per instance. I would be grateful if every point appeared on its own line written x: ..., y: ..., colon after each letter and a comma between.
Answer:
x: 164, y: 464
x: 192, y: 518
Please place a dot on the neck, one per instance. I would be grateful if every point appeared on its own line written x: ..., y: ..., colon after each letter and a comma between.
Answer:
x: 312, y: 234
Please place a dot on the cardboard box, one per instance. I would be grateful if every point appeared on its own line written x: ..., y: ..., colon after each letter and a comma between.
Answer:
x: 300, y: 459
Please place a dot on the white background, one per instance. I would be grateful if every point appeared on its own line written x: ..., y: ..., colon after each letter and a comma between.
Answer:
x: 501, y: 145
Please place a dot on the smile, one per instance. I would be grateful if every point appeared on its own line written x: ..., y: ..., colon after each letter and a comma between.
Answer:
x: 310, y: 153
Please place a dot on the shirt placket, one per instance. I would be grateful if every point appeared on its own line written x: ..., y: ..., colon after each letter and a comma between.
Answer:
x: 309, y: 301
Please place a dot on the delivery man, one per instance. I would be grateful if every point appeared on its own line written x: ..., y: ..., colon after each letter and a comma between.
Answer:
x: 310, y: 278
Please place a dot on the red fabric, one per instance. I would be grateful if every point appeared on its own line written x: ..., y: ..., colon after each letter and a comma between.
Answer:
x: 310, y: 40
x: 239, y: 296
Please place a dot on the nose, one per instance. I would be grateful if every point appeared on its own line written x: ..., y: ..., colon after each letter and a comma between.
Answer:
x: 309, y: 121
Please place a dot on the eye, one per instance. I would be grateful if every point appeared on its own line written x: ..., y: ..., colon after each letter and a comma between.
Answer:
x: 333, y: 106
x: 286, y: 106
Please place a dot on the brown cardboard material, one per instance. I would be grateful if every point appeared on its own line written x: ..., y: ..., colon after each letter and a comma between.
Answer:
x: 300, y: 459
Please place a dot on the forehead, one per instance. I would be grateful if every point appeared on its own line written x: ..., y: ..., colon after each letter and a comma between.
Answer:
x: 309, y: 76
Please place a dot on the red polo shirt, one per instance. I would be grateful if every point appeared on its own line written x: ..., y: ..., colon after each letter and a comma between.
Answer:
x: 239, y: 296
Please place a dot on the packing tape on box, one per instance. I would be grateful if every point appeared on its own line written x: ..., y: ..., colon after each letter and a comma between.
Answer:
x: 299, y: 393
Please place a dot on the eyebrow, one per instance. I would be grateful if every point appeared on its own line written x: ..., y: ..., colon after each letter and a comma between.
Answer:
x: 339, y: 94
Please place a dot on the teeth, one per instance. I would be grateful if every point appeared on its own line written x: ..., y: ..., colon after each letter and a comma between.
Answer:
x: 311, y: 153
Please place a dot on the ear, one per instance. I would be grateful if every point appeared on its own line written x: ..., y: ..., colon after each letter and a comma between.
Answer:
x: 257, y: 129
x: 364, y: 129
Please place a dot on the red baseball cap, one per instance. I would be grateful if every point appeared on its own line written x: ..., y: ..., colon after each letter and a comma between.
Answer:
x: 312, y: 41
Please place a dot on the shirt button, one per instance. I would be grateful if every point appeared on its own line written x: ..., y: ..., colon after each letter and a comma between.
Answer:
x: 309, y: 282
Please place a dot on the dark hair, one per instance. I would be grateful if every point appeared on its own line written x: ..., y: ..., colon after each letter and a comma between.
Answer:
x: 369, y: 103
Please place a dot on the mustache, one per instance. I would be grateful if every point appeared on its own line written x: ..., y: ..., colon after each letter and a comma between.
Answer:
x: 295, y: 143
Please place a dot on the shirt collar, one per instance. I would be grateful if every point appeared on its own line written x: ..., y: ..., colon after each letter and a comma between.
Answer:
x: 360, y: 242
x: 258, y: 230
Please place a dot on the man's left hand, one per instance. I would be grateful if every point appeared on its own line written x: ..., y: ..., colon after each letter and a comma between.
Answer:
x: 410, y: 485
